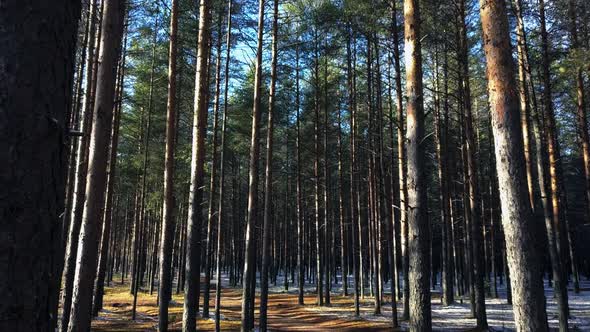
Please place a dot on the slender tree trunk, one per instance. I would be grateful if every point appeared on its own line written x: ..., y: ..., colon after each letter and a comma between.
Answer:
x: 327, y: 219
x: 555, y: 172
x: 300, y: 217
x: 524, y: 102
x: 168, y: 217
x: 195, y: 216
x: 343, y: 235
x: 418, y: 225
x: 582, y: 136
x: 316, y: 171
x: 112, y: 30
x: 474, y: 202
x: 529, y: 302
x: 213, y: 183
x: 268, y: 189
x: 249, y: 266
x: 401, y: 151
x: 108, y: 210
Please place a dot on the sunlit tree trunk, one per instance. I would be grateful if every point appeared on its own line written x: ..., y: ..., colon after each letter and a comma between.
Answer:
x: 110, y: 45
x: 168, y: 217
x: 195, y: 215
x: 523, y: 260
x: 418, y: 225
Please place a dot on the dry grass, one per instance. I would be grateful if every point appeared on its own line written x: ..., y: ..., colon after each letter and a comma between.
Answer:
x: 284, y: 314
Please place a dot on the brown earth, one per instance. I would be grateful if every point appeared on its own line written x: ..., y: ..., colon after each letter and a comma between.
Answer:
x: 284, y: 314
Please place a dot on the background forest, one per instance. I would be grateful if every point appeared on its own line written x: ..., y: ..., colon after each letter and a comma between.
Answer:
x: 299, y: 148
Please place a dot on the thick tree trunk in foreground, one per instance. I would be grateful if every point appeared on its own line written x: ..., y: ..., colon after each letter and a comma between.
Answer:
x: 195, y: 215
x: 523, y: 261
x: 168, y: 218
x: 110, y: 44
x: 418, y: 228
x: 249, y: 267
x: 37, y: 42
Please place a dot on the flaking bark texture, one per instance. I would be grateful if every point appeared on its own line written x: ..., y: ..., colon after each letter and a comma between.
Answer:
x: 526, y: 285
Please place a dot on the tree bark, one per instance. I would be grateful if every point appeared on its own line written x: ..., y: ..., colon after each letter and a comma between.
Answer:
x: 108, y: 210
x: 81, y: 166
x: 168, y: 218
x: 268, y: 189
x: 526, y: 286
x: 418, y: 225
x: 213, y: 182
x: 110, y: 45
x: 249, y: 266
x: 38, y: 55
x: 195, y: 215
x: 474, y: 203
x: 220, y: 209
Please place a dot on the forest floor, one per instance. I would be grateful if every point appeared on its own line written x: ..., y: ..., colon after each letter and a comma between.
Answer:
x: 284, y: 314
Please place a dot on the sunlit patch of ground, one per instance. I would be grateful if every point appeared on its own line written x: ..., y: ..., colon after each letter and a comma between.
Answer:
x: 284, y: 314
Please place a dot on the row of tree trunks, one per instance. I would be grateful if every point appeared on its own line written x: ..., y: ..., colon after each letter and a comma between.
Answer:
x: 81, y: 159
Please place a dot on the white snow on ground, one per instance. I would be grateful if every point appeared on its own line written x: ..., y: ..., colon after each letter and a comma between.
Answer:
x: 451, y: 318
x: 457, y: 316
x: 499, y: 313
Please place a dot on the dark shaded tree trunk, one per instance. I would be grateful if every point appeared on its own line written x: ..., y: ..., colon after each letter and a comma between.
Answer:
x: 249, y: 259
x: 220, y: 210
x: 474, y: 202
x: 108, y: 210
x: 213, y: 183
x: 268, y: 188
x: 300, y: 212
x: 38, y: 60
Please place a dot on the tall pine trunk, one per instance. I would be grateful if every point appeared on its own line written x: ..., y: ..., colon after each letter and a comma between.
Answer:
x: 523, y: 260
x: 195, y: 215
x: 168, y: 218
x: 418, y: 226
x: 249, y: 259
x: 110, y: 45
x: 268, y: 190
